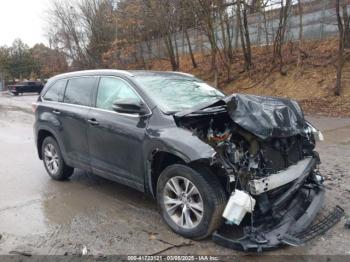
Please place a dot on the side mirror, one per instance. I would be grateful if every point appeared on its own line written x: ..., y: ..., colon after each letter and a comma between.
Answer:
x: 129, y: 106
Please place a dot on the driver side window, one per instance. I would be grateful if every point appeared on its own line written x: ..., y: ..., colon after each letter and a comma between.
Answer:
x: 111, y: 89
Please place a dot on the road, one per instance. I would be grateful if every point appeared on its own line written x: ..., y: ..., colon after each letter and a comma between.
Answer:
x: 42, y: 216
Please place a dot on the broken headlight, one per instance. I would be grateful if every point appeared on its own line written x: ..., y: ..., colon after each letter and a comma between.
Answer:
x: 310, y: 129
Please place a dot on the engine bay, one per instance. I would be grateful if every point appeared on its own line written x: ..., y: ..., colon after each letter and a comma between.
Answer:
x: 244, y: 155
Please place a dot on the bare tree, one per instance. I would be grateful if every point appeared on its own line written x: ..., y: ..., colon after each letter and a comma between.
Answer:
x: 188, y: 20
x: 280, y: 34
x: 346, y: 23
x: 163, y: 17
x: 343, y: 23
x: 193, y: 60
x: 300, y: 10
x: 82, y: 30
x: 204, y: 9
x: 66, y: 33
x: 242, y: 19
x: 261, y: 9
x: 99, y: 26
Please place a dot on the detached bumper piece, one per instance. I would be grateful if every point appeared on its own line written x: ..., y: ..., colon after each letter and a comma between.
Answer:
x: 332, y: 218
x: 253, y: 241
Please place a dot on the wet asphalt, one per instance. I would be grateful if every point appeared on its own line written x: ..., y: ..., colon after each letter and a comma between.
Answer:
x: 42, y: 216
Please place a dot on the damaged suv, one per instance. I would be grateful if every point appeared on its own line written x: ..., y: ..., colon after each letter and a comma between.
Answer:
x: 215, y: 163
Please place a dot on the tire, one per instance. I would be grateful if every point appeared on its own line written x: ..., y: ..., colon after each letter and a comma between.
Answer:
x: 210, y: 192
x: 15, y: 93
x: 62, y: 170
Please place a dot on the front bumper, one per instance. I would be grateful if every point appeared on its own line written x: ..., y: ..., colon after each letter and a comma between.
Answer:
x: 289, y: 221
x: 298, y: 171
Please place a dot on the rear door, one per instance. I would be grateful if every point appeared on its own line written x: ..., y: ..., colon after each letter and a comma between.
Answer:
x: 73, y: 114
x: 115, y: 139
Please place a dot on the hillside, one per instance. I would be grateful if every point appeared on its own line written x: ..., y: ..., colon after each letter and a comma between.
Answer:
x: 311, y: 83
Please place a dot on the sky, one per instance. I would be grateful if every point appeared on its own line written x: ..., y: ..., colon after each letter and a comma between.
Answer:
x: 23, y: 19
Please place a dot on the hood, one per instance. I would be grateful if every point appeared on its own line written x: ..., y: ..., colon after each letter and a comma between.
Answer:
x: 266, y: 117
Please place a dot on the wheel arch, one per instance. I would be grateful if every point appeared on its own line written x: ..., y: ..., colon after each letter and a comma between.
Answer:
x: 161, y: 159
x: 42, y: 134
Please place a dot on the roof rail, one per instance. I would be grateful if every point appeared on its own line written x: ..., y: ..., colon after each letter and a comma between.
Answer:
x: 182, y: 73
x: 96, y: 71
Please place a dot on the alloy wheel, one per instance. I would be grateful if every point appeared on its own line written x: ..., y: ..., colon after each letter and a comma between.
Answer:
x: 183, y: 202
x: 51, y: 158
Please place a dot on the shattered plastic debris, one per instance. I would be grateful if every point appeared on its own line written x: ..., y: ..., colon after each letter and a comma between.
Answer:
x: 238, y: 205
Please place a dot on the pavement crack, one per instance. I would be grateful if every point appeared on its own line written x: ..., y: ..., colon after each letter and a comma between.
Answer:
x: 171, y: 247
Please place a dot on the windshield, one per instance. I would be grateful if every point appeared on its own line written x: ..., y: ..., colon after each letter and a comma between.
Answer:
x: 177, y: 93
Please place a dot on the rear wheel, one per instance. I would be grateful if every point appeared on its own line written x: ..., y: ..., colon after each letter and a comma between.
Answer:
x: 15, y: 93
x: 53, y: 160
x: 191, y: 201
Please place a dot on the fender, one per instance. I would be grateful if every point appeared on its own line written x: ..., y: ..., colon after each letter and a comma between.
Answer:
x: 176, y: 141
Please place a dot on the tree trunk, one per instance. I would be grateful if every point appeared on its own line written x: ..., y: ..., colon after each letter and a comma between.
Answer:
x: 142, y: 56
x: 170, y: 50
x: 346, y: 26
x: 247, y: 38
x: 223, y: 33
x: 194, y: 64
x: 279, y: 39
x: 340, y: 62
x: 267, y: 42
x: 176, y: 53
x: 244, y: 36
x: 229, y: 39
x: 237, y: 31
x: 300, y: 9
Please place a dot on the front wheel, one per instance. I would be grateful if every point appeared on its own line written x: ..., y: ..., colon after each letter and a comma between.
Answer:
x: 53, y: 160
x: 191, y: 201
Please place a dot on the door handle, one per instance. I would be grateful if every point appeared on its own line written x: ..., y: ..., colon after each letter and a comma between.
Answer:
x: 56, y: 112
x: 93, y: 122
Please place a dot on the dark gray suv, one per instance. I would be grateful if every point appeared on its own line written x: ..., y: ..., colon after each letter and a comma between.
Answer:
x: 207, y: 158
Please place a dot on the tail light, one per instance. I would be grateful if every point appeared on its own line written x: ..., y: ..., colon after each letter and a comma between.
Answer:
x: 34, y: 107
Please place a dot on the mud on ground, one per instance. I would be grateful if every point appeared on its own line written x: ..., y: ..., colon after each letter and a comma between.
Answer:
x: 42, y: 216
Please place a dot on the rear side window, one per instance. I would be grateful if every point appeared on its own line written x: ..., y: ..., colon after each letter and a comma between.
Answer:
x: 56, y: 91
x: 79, y: 91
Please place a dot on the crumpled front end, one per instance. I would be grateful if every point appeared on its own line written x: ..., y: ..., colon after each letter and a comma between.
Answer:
x: 283, y: 215
x: 266, y: 159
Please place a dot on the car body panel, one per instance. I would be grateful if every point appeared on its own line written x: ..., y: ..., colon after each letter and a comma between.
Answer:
x: 116, y: 142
